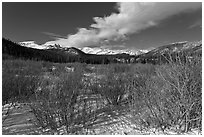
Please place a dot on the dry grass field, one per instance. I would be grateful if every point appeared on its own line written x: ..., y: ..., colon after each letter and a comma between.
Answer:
x: 73, y: 98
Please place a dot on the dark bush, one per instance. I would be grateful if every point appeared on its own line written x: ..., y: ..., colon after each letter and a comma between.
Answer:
x: 19, y: 79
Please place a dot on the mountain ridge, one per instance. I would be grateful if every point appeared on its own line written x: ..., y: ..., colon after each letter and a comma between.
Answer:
x: 105, y: 51
x: 87, y: 50
x: 60, y: 54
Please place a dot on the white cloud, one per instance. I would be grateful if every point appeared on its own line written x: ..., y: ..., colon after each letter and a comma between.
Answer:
x: 197, y: 23
x: 132, y: 18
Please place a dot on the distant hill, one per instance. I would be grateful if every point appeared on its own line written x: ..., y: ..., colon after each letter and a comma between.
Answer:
x: 163, y: 53
x: 14, y: 50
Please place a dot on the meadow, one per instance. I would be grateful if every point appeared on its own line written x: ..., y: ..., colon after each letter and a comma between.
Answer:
x: 77, y: 98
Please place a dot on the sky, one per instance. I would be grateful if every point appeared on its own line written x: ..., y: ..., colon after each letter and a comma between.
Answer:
x: 102, y: 24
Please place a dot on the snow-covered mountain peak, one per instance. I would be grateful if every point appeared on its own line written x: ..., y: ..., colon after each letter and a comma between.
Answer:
x: 181, y: 42
x: 32, y: 44
x: 173, y: 47
x: 47, y: 45
x: 105, y: 51
x: 88, y: 50
x: 27, y: 42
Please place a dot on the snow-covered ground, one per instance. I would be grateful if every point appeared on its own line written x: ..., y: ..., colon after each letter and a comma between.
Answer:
x: 21, y: 122
x: 18, y: 119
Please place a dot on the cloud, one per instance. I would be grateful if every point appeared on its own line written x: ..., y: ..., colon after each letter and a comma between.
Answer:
x: 53, y: 35
x: 131, y: 18
x: 197, y: 23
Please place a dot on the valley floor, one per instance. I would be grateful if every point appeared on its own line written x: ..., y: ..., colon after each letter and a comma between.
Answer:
x: 21, y: 121
x: 115, y: 99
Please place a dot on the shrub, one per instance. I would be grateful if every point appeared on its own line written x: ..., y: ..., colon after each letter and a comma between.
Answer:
x: 182, y: 92
x: 172, y: 97
x: 55, y: 106
x: 114, y: 88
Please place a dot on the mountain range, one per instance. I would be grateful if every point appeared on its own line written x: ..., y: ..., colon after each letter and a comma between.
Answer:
x: 56, y: 53
x: 88, y: 50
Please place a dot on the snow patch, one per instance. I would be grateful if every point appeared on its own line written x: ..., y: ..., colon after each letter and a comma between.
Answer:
x: 101, y: 51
